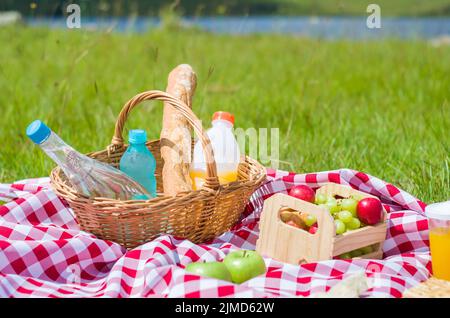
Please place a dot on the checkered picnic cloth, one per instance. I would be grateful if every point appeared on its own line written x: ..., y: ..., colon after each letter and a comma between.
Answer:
x: 43, y: 253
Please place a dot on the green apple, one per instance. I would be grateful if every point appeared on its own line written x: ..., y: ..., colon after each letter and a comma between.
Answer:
x: 244, y: 265
x: 210, y: 269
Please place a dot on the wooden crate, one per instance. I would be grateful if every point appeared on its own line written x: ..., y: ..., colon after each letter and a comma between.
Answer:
x: 295, y: 246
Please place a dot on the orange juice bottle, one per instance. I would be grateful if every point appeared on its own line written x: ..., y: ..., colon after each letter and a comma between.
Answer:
x: 226, y: 152
x: 439, y: 226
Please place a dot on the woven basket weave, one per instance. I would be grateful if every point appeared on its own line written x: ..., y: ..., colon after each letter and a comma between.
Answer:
x: 197, y: 215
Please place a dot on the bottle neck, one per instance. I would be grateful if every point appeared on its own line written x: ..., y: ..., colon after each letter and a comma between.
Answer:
x: 69, y: 160
x: 138, y: 145
x: 56, y: 148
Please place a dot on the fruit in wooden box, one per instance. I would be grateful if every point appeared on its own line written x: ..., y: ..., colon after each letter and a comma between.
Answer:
x: 303, y: 192
x: 349, y: 213
x: 370, y: 210
x: 293, y: 218
x: 337, y: 233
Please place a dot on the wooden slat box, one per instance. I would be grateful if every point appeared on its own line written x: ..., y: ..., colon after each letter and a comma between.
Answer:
x: 295, y: 246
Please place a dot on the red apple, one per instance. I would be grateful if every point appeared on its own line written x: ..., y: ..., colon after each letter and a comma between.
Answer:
x: 303, y: 192
x: 313, y: 229
x: 369, y: 211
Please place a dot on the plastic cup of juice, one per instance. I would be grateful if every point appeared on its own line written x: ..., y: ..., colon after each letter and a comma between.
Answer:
x: 439, y: 226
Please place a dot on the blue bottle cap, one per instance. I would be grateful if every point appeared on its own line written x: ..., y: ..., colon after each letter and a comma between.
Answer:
x: 38, y: 132
x: 137, y: 136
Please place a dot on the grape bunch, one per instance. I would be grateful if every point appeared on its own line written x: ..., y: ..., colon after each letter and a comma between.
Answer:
x: 343, y: 211
x: 349, y: 214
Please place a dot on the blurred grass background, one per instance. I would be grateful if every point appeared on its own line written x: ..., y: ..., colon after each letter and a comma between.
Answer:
x: 381, y: 107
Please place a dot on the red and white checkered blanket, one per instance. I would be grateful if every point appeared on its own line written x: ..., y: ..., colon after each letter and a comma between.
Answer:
x: 43, y: 253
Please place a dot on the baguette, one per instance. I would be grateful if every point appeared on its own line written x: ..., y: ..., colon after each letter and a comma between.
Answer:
x: 176, y: 133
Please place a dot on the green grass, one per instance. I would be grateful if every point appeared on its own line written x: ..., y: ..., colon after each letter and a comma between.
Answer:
x: 381, y: 107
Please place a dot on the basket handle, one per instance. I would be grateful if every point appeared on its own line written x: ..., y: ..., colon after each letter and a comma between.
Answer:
x: 211, y: 180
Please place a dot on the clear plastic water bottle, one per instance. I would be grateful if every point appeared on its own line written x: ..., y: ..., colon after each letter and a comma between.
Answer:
x: 138, y: 162
x: 88, y: 176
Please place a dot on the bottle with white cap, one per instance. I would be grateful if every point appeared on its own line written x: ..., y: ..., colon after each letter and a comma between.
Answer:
x: 225, y: 148
x: 439, y: 228
x: 89, y: 177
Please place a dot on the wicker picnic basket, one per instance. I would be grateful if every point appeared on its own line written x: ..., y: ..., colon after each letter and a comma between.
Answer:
x: 197, y: 215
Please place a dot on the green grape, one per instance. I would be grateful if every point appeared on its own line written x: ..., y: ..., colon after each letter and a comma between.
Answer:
x: 335, y: 209
x: 340, y: 227
x: 356, y: 253
x: 366, y: 250
x: 321, y: 198
x: 310, y: 220
x: 345, y: 216
x: 350, y: 205
x: 354, y: 224
x: 332, y: 205
x: 357, y: 197
x: 345, y: 256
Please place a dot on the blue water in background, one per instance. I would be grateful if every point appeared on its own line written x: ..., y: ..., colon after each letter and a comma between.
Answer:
x: 316, y: 27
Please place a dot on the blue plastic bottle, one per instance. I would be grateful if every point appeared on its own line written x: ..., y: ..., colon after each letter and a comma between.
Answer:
x: 138, y: 162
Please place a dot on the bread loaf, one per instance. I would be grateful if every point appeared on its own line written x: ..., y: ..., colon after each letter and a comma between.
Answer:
x: 176, y: 133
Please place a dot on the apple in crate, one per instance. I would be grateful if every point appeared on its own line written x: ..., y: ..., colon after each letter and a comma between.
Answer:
x: 313, y: 229
x: 369, y: 211
x: 303, y: 192
x: 210, y: 269
x: 244, y: 265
